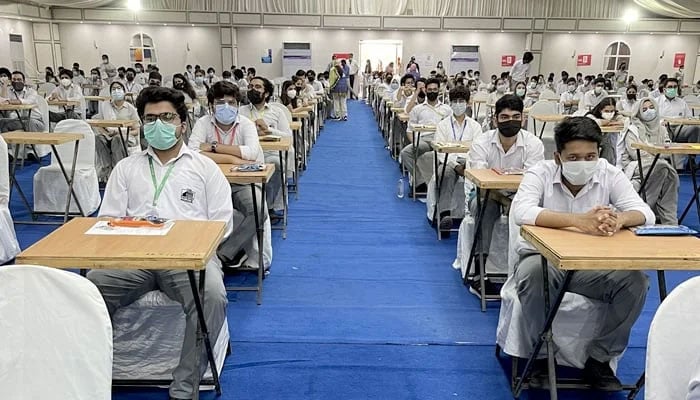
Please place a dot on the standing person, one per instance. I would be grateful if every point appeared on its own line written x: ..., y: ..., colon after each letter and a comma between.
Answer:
x: 367, y: 76
x: 354, y: 68
x: 108, y: 69
x: 621, y: 76
x: 331, y: 64
x: 439, y: 69
x: 339, y: 91
x: 521, y: 69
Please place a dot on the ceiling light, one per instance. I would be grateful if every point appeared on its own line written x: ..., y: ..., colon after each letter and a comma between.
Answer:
x: 134, y: 5
x: 569, y: 32
x: 422, y: 30
x: 165, y: 24
x: 630, y: 16
x: 81, y: 22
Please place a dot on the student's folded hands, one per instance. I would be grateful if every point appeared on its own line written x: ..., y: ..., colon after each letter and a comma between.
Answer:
x: 600, y: 220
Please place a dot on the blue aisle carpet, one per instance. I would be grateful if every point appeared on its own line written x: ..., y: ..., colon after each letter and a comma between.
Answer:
x: 362, y: 302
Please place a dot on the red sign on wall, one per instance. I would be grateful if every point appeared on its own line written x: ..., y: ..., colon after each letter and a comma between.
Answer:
x: 507, y: 61
x: 678, y: 60
x: 583, y: 60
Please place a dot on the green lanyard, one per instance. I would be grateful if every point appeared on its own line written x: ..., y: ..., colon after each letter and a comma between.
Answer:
x: 159, y: 188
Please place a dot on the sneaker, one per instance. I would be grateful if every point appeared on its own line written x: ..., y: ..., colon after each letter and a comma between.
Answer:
x: 236, y: 263
x: 539, y: 377
x: 446, y: 223
x: 490, y: 289
x: 345, y: 118
x: 600, y: 376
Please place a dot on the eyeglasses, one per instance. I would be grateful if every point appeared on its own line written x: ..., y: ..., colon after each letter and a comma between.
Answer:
x: 166, y: 117
x: 221, y: 102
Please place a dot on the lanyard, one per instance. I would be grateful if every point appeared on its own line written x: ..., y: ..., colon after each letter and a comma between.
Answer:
x: 159, y: 188
x: 258, y: 114
x: 454, y: 134
x: 218, y: 130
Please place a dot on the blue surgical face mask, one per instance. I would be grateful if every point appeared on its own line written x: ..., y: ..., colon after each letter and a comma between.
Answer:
x: 225, y: 114
x: 160, y: 135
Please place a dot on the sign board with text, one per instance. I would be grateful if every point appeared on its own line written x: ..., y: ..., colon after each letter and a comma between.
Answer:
x: 583, y: 60
x: 508, y: 60
x: 679, y: 60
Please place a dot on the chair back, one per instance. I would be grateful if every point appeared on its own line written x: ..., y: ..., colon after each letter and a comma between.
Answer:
x: 691, y: 99
x: 547, y: 94
x: 281, y: 106
x: 44, y: 110
x: 673, y: 347
x: 56, y: 336
x: 86, y: 150
x: 4, y: 175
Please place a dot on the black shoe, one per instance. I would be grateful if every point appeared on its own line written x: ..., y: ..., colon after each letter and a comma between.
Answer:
x: 230, y: 266
x: 345, y: 118
x: 539, y: 377
x: 490, y: 289
x: 446, y: 223
x: 600, y: 376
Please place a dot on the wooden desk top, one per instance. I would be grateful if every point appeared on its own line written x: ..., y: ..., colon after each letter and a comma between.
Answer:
x: 22, y: 137
x: 15, y: 107
x: 683, y: 121
x: 398, y: 110
x: 424, y: 128
x: 307, y: 108
x: 112, y: 123
x: 403, y: 117
x: 451, y: 147
x: 97, y: 98
x: 243, y: 178
x: 188, y: 245
x: 295, y: 125
x: 549, y: 117
x: 64, y: 103
x: 573, y: 250
x: 389, y: 104
x: 675, y: 148
x: 479, y: 101
x: 694, y: 106
x: 611, y: 129
x: 284, y: 144
x: 300, y: 114
x: 490, y: 179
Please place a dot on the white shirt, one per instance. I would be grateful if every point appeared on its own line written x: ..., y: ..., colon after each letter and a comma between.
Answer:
x: 425, y: 114
x: 275, y: 118
x: 196, y: 189
x: 676, y: 108
x: 133, y: 87
x: 450, y: 131
x: 627, y: 105
x: 242, y: 134
x: 519, y: 71
x: 72, y: 93
x: 487, y: 151
x: 354, y: 67
x: 107, y: 110
x: 590, y: 99
x: 571, y: 96
x: 542, y: 189
x: 26, y: 96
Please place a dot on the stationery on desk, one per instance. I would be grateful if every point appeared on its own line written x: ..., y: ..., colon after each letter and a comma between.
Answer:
x: 509, y: 171
x: 106, y: 228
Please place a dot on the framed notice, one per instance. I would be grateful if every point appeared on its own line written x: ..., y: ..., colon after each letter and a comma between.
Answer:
x: 679, y: 60
x: 583, y: 60
x: 507, y: 60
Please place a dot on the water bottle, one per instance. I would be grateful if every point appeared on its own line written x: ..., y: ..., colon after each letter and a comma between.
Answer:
x: 400, y: 189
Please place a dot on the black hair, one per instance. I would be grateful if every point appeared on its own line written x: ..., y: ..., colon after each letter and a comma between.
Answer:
x: 284, y: 98
x: 133, y: 71
x: 19, y: 73
x: 105, y: 56
x: 238, y: 73
x: 155, y: 75
x: 188, y: 66
x: 460, y: 92
x: 188, y: 89
x: 528, y: 56
x: 632, y: 86
x: 251, y: 71
x: 156, y: 94
x: 120, y: 69
x: 576, y: 128
x: 221, y: 89
x: 667, y: 80
x: 432, y: 81
x: 66, y: 72
x: 300, y: 72
x: 510, y: 102
x: 571, y: 80
x: 211, y: 69
x: 268, y: 86
x: 116, y: 83
x: 226, y: 74
x: 96, y: 70
x: 599, y: 80
x: 407, y: 77
x: 597, y: 111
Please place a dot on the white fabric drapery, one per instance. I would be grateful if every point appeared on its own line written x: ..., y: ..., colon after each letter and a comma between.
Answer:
x: 672, y: 8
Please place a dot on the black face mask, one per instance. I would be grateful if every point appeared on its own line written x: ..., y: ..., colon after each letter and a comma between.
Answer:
x: 509, y: 128
x: 421, y: 97
x: 121, y: 76
x: 255, y: 97
x: 179, y: 86
x: 432, y: 96
x: 311, y: 79
x: 631, y: 96
x: 18, y: 86
x: 129, y: 77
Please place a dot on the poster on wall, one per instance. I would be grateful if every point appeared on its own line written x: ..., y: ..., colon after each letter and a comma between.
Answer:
x: 583, y: 60
x: 679, y: 60
x: 463, y: 58
x: 507, y: 60
x: 267, y: 59
x: 295, y: 56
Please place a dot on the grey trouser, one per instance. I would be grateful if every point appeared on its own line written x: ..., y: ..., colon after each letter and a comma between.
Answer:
x: 120, y: 288
x: 491, y: 215
x: 623, y: 291
x: 424, y: 168
x: 607, y: 149
x: 661, y: 191
x: 109, y: 150
x: 243, y: 236
x: 274, y: 187
x: 340, y: 104
x: 447, y: 188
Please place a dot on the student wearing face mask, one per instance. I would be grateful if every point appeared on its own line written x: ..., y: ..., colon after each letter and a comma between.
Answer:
x: 405, y: 91
x: 595, y: 95
x: 680, y: 75
x: 419, y: 95
x: 189, y: 72
x: 239, y: 78
x: 500, y: 91
x: 507, y: 146
x: 227, y: 137
x: 658, y: 90
x: 20, y: 93
x: 109, y: 144
x: 181, y: 84
x: 533, y: 89
x: 605, y: 114
x: 200, y: 86
x: 562, y: 85
x: 168, y: 180
x: 628, y: 104
x: 130, y: 84
x: 578, y: 190
x: 521, y: 92
x: 339, y: 91
x: 108, y: 69
x: 155, y: 78
x: 211, y: 76
x: 457, y: 128
x: 141, y: 75
x: 66, y: 91
x: 671, y: 105
x: 661, y: 188
x: 289, y: 97
x: 571, y: 98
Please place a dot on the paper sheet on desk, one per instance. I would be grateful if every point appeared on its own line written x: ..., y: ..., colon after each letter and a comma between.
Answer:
x: 102, y: 228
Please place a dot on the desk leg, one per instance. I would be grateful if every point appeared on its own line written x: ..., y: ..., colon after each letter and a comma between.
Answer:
x: 544, y: 124
x: 694, y: 199
x: 416, y: 141
x: 546, y: 334
x: 283, y: 174
x: 481, y: 209
x: 642, y: 187
x: 259, y: 227
x: 438, y: 190
x: 13, y: 180
x: 124, y: 139
x: 202, y: 333
x: 69, y: 180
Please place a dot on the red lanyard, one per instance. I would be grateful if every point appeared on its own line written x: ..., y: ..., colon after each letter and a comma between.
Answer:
x: 218, y: 130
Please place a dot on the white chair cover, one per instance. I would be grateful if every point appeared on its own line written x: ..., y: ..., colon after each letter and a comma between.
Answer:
x: 458, y: 199
x: 50, y: 188
x: 691, y: 99
x: 547, y: 94
x: 43, y: 106
x: 673, y: 347
x: 9, y: 247
x: 56, y: 336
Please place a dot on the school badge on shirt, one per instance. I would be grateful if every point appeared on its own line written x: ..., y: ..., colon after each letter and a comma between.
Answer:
x: 187, y: 195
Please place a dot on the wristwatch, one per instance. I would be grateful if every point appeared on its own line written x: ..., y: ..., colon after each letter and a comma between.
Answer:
x: 213, y: 146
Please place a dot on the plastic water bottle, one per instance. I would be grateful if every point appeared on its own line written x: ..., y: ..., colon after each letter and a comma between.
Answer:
x: 400, y: 189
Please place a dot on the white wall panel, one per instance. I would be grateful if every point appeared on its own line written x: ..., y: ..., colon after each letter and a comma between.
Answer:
x: 517, y: 23
x: 66, y: 13
x: 601, y: 25
x: 42, y: 31
x: 108, y: 15
x: 291, y: 20
x: 411, y: 22
x: 654, y: 26
x: 162, y: 16
x: 246, y: 19
x: 472, y: 23
x: 337, y: 21
x: 203, y: 18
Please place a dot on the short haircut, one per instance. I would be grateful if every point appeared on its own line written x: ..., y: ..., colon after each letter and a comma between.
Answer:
x: 459, y: 93
x: 527, y: 56
x: 268, y: 86
x: 188, y: 66
x: 510, y: 102
x: 665, y: 83
x: 311, y: 72
x: 238, y: 73
x: 156, y: 94
x: 599, y: 80
x: 432, y: 81
x: 300, y: 72
x: 18, y: 73
x: 477, y: 72
x: 133, y: 71
x: 576, y: 128
x: 226, y: 74
x: 211, y: 69
x: 111, y: 86
x: 155, y: 75
x: 95, y: 71
x: 251, y: 71
x: 67, y: 73
x: 632, y: 86
x: 571, y: 80
x: 221, y: 89
x: 105, y: 56
x: 405, y: 78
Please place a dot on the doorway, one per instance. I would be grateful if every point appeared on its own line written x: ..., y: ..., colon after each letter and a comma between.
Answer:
x: 380, y: 53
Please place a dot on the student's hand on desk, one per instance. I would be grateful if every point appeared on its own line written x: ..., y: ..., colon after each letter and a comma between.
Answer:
x: 14, y: 101
x: 597, y: 221
x: 262, y: 127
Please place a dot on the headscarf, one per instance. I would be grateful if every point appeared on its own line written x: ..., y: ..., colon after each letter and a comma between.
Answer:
x: 650, y: 132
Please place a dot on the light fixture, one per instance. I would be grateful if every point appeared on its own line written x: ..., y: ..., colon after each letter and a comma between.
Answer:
x: 261, y: 26
x: 630, y: 16
x: 569, y: 32
x: 192, y: 24
x: 81, y: 22
x: 165, y: 24
x: 134, y: 5
x: 651, y: 33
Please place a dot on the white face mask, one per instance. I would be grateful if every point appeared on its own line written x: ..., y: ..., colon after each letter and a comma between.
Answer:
x: 579, y: 172
x: 572, y: 88
x: 533, y: 85
x: 65, y: 82
x: 199, y: 80
x: 458, y: 108
x: 291, y: 94
x: 608, y: 115
x: 648, y: 115
x: 520, y: 92
x: 117, y: 94
x: 394, y: 85
x: 598, y: 90
x: 501, y: 88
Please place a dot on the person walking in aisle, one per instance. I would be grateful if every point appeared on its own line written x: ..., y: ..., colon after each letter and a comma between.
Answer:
x: 339, y: 89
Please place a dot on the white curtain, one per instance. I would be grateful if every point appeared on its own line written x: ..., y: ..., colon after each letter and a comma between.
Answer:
x: 518, y: 8
x: 672, y: 8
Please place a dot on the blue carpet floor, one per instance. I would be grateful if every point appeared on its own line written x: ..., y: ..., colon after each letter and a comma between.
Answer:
x: 362, y: 302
